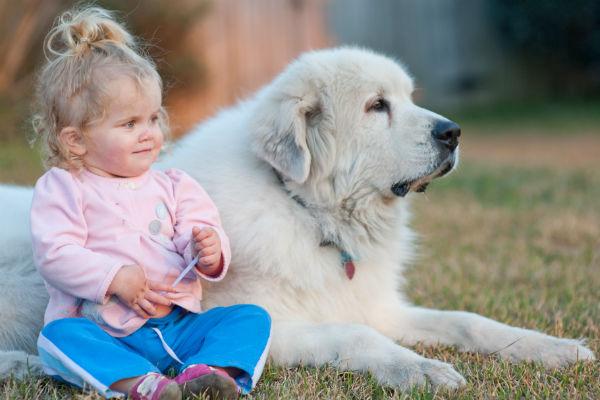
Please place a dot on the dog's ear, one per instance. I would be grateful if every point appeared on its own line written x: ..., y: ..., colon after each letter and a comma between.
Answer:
x: 280, y: 130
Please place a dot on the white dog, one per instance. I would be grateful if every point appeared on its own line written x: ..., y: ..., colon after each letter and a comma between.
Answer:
x: 312, y: 178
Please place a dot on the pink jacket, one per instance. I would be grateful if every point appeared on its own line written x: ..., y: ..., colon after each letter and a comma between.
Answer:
x: 86, y: 227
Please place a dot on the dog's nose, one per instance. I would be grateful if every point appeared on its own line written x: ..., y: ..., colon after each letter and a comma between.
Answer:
x: 447, y: 133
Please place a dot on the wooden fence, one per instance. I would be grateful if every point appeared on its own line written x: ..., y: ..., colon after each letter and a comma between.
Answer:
x: 243, y: 44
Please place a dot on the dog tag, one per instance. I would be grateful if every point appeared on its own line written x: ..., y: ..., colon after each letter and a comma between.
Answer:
x: 347, y: 263
x: 349, y: 267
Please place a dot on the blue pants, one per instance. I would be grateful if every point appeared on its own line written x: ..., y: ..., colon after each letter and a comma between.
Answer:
x: 79, y: 352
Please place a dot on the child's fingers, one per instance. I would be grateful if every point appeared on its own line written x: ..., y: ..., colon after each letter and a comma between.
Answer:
x: 204, y: 234
x: 147, y: 306
x: 207, y: 253
x: 208, y: 250
x: 209, y: 260
x: 199, y: 234
x: 211, y: 241
x: 201, y: 246
x: 139, y: 311
x: 157, y: 298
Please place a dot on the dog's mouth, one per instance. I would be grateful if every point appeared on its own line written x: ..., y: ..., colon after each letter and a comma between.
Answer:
x: 419, y: 185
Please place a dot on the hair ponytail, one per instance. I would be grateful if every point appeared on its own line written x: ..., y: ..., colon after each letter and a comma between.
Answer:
x: 78, y: 31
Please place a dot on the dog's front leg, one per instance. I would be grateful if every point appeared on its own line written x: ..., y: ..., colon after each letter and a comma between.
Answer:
x: 472, y: 332
x: 357, y: 347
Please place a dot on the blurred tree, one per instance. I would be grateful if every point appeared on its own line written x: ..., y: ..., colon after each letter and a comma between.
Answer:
x: 560, y: 39
x: 24, y: 24
x: 21, y: 28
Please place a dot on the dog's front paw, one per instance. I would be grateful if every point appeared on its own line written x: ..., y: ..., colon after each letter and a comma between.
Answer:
x: 417, y: 374
x: 550, y: 351
x: 440, y: 374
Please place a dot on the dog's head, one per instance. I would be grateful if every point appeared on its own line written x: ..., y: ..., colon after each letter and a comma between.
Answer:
x: 341, y: 123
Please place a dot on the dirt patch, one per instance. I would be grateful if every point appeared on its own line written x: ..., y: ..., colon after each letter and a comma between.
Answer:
x: 581, y: 151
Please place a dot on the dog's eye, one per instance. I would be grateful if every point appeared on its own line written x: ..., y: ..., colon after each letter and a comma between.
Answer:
x: 381, y: 105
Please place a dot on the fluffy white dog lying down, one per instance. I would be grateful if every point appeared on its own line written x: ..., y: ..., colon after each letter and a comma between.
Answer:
x: 313, y: 178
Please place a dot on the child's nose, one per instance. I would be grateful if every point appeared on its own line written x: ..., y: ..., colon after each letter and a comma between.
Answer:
x: 145, y: 134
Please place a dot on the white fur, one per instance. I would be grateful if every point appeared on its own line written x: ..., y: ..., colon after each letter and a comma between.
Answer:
x: 312, y: 125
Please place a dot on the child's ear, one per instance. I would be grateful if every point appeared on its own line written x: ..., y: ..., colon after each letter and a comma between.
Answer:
x: 72, y: 139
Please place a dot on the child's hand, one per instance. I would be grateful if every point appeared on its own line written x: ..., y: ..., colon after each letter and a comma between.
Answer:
x: 133, y: 289
x: 208, y: 245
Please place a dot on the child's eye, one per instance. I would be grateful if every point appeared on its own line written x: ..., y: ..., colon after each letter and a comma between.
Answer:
x: 154, y: 119
x: 130, y: 124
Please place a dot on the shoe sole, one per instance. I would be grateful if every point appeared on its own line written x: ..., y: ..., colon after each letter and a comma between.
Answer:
x: 213, y: 385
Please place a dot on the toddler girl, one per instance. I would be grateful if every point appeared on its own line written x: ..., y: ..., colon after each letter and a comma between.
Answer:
x: 112, y: 238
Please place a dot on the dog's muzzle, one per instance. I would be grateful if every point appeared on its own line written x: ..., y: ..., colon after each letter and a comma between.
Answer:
x: 445, y: 134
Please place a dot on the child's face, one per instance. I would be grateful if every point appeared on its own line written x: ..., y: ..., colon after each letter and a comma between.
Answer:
x: 128, y: 139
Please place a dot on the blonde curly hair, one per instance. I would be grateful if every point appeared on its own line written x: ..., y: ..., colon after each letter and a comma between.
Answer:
x: 85, y: 49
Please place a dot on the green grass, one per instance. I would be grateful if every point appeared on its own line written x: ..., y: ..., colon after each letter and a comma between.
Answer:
x: 518, y: 188
x: 19, y: 163
x: 519, y: 245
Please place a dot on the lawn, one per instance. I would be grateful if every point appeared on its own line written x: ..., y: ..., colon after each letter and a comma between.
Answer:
x: 513, y: 234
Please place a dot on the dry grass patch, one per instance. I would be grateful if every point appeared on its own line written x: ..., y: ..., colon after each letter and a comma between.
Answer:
x: 528, y: 149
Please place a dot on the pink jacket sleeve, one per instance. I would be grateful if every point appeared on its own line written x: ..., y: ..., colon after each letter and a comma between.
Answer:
x: 59, y: 233
x: 195, y: 208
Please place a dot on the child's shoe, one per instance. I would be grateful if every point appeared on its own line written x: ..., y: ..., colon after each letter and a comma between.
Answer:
x: 155, y: 386
x: 201, y: 378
